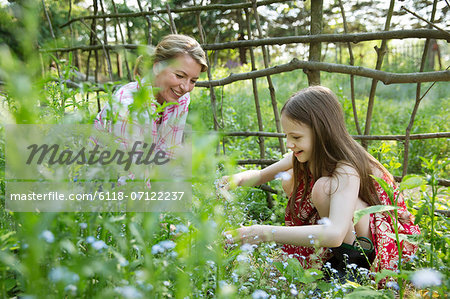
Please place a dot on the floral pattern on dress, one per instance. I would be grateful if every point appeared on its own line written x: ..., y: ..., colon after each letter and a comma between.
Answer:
x: 381, y: 226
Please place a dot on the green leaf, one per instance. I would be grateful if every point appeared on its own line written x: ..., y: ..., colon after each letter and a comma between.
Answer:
x: 388, y: 189
x: 385, y: 273
x: 411, y: 182
x: 370, y: 210
x: 414, y: 239
x: 420, y: 213
x: 369, y: 293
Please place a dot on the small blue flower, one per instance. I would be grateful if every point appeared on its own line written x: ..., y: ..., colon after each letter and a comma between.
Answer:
x: 99, y: 244
x: 260, y: 294
x: 48, y: 236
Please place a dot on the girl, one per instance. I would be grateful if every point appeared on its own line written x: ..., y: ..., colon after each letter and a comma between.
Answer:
x: 329, y: 179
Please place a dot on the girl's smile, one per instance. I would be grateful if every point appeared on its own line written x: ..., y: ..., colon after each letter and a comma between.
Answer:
x: 299, y: 138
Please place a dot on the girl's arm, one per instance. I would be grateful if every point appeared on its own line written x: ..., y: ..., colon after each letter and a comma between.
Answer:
x: 342, y: 198
x: 258, y: 177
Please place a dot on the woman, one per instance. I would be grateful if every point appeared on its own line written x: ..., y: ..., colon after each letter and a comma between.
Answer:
x: 162, y: 106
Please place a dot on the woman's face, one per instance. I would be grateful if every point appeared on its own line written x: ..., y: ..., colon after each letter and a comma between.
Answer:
x: 299, y: 138
x: 175, y: 78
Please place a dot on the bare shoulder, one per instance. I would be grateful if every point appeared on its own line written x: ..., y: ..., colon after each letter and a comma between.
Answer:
x: 345, y: 169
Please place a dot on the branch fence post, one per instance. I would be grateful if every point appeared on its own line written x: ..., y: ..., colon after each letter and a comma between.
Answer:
x: 173, y: 28
x: 149, y: 23
x: 418, y: 97
x: 269, y: 79
x: 105, y: 43
x: 123, y: 41
x: 315, y: 48
x: 352, y: 77
x: 380, y: 55
x: 255, y: 87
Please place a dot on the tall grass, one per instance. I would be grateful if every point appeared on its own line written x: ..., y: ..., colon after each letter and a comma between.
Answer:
x: 152, y: 255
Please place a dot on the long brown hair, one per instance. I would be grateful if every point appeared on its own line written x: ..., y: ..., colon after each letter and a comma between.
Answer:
x: 319, y: 108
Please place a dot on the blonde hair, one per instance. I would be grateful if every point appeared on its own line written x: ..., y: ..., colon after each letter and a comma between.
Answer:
x: 171, y: 46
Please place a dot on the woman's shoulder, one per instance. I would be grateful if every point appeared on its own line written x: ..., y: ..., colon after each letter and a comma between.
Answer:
x: 127, y: 89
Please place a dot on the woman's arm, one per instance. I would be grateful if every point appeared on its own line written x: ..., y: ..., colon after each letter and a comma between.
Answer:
x: 258, y: 177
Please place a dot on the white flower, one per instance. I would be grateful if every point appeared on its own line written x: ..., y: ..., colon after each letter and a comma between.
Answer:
x: 48, y: 236
x: 426, y: 278
x: 70, y: 288
x: 285, y: 176
x: 122, y: 181
x: 294, y: 292
x: 325, y: 221
x: 83, y: 225
x: 283, y: 278
x: 260, y: 294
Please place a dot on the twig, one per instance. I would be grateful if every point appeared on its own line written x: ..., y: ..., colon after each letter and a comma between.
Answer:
x: 352, y: 78
x: 123, y: 41
x: 52, y: 34
x: 327, y: 38
x: 221, y: 7
x: 418, y: 97
x: 255, y: 87
x: 380, y: 55
x: 294, y: 64
x: 356, y: 137
x: 162, y: 19
x: 428, y: 22
x: 269, y: 80
x: 173, y: 28
x: 102, y: 46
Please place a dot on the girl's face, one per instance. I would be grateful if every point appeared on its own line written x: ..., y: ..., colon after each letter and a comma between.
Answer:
x: 176, y: 78
x: 299, y: 138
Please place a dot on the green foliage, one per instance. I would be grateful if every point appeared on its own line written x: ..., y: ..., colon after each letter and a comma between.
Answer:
x: 150, y: 255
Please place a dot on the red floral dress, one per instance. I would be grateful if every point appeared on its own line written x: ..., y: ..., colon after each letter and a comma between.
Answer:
x: 381, y: 225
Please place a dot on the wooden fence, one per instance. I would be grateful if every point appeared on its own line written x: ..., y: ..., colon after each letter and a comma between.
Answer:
x: 102, y: 49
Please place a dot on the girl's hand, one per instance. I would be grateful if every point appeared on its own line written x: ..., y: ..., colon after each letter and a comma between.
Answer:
x: 254, y: 234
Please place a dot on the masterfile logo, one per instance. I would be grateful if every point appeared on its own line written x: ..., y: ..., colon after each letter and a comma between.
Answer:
x: 78, y: 168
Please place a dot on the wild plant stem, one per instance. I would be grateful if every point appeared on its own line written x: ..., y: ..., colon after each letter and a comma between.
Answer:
x: 433, y: 199
x: 399, y: 248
